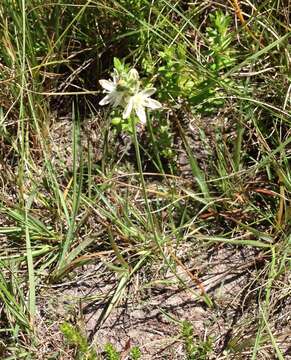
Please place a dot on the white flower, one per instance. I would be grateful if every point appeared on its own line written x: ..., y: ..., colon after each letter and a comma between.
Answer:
x: 118, y: 88
x: 114, y: 91
x: 124, y: 91
x: 138, y: 102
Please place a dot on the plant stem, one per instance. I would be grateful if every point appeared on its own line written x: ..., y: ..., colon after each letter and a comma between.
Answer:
x: 143, y: 184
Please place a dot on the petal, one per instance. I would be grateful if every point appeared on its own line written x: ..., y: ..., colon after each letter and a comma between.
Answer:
x: 148, y: 92
x: 115, y: 76
x: 133, y: 75
x: 107, y: 85
x: 106, y: 100
x: 152, y: 104
x: 140, y: 112
x: 128, y: 109
x: 118, y: 95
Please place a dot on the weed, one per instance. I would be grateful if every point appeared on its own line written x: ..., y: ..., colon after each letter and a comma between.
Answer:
x: 195, y: 349
x: 110, y: 352
x: 78, y: 341
x: 135, y: 353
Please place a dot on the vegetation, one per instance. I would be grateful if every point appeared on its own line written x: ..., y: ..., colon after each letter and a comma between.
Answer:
x: 106, y: 210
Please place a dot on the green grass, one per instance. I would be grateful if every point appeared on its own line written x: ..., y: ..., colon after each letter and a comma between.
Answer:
x: 73, y: 196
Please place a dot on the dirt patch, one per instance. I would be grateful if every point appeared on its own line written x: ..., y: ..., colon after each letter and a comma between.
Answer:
x: 150, y: 315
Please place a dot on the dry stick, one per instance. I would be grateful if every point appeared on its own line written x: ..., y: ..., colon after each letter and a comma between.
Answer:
x: 282, y: 203
x: 239, y: 14
x: 192, y: 276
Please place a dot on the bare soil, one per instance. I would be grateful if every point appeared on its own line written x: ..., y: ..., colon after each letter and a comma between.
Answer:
x: 150, y: 313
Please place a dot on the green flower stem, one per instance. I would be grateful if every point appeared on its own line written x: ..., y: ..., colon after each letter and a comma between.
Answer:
x: 143, y: 184
x: 150, y: 216
x: 153, y: 139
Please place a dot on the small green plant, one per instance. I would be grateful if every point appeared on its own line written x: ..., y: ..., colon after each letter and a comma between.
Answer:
x: 178, y: 79
x: 220, y: 56
x: 219, y: 38
x: 195, y: 350
x: 173, y: 74
x: 135, y: 353
x: 163, y: 139
x: 76, y: 339
x: 110, y: 352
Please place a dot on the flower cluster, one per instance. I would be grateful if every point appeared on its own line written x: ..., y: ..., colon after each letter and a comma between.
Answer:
x: 124, y: 90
